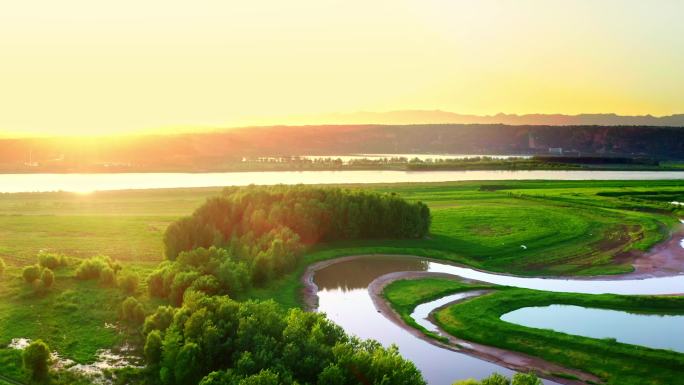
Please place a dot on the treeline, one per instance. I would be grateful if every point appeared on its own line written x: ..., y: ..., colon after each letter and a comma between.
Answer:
x: 250, y: 235
x: 598, y: 160
x: 214, y: 340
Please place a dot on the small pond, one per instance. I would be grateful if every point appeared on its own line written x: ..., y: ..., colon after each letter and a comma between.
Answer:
x: 651, y: 330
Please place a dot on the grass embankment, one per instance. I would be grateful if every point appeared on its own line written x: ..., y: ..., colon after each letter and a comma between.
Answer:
x: 478, y: 320
x: 482, y: 224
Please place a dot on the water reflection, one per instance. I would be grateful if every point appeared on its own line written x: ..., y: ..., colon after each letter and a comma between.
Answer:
x: 655, y: 331
x: 344, y: 297
x: 359, y: 273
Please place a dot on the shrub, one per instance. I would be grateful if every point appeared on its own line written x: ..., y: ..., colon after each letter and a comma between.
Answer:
x: 47, y: 278
x: 153, y: 347
x: 132, y: 311
x: 36, y: 358
x: 91, y: 268
x: 38, y: 285
x: 498, y: 379
x: 31, y: 273
x: 51, y: 261
x: 128, y: 282
x: 107, y: 277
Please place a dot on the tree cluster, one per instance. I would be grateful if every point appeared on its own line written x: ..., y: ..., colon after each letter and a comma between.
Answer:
x: 42, y: 278
x: 211, y: 271
x: 108, y: 272
x: 313, y: 214
x: 214, y: 340
x: 265, y: 229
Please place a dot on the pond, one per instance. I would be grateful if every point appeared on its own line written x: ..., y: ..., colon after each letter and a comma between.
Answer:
x: 654, y: 331
x: 84, y: 183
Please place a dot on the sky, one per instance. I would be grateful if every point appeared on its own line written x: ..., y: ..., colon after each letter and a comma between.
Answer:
x: 77, y: 67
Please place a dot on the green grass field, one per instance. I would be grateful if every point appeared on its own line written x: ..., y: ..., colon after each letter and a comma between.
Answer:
x: 569, y: 228
x: 479, y: 320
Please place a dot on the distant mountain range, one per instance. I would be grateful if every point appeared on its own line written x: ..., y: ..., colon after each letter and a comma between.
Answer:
x: 439, y: 117
x: 212, y: 150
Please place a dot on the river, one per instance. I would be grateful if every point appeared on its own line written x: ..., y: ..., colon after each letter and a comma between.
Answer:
x: 343, y: 295
x: 84, y: 183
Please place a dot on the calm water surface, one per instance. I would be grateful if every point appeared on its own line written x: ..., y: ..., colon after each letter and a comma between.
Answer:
x: 655, y: 331
x: 344, y: 297
x: 123, y: 181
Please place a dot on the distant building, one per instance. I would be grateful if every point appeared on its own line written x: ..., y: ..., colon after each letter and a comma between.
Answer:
x: 556, y: 150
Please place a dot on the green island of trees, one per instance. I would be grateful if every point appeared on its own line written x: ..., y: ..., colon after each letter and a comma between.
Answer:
x: 247, y: 237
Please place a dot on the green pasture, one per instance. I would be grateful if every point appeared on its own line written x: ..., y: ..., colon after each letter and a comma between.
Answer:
x: 567, y: 228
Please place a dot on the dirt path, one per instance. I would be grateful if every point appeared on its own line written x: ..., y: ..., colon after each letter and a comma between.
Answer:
x: 511, y: 360
x: 663, y: 260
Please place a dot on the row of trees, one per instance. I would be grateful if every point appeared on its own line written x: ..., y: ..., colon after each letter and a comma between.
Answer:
x: 214, y: 340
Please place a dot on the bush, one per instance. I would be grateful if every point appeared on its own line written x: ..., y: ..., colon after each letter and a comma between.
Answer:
x: 153, y: 348
x: 498, y: 379
x: 31, y: 273
x: 128, y: 282
x: 51, y: 261
x: 36, y: 358
x: 107, y: 277
x: 47, y: 278
x: 91, y: 268
x: 132, y: 311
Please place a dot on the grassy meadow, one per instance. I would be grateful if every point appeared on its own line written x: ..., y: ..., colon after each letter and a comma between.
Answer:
x: 566, y: 228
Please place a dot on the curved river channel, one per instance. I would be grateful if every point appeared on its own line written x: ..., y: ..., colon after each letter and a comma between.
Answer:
x: 343, y: 295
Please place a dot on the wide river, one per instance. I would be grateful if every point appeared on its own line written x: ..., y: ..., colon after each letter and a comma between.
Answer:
x: 343, y: 295
x: 84, y: 183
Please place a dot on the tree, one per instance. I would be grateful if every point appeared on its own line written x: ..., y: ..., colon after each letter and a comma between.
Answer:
x: 36, y: 358
x: 47, y: 278
x: 153, y: 348
x: 188, y: 368
x: 128, y: 282
x: 498, y: 379
x: 132, y: 311
x: 31, y: 273
x: 264, y: 377
x: 526, y: 379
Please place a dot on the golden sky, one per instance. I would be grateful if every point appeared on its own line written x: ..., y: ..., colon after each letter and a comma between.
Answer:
x: 102, y: 66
